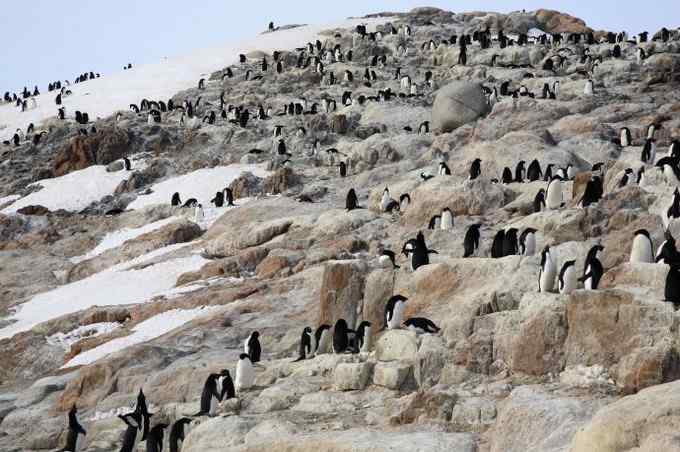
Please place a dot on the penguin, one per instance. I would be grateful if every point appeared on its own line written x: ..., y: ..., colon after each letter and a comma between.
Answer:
x: 210, y: 396
x: 534, y: 172
x: 225, y: 385
x: 435, y: 222
x: 307, y: 344
x: 252, y: 347
x: 627, y: 178
x: 175, y: 200
x: 177, y: 434
x: 340, y: 339
x: 191, y: 202
x: 126, y: 163
x: 546, y: 275
x: 385, y: 200
x: 446, y: 219
x: 362, y: 340
x: 387, y: 259
x: 672, y: 287
x: 425, y: 176
x: 133, y: 422
x: 527, y: 242
x: 648, y: 154
x: 566, y: 282
x: 651, y: 131
x: 421, y: 325
x: 471, y: 240
x: 625, y: 137
x: 154, y: 441
x: 404, y: 201
x: 673, y: 211
x: 323, y: 337
x: 592, y: 269
x: 218, y: 200
x: 593, y: 192
x: 506, y: 178
x: 229, y: 197
x: 674, y: 149
x: 641, y: 250
x: 199, y: 215
x: 475, y: 169
x: 588, y: 90
x: 424, y: 127
x: 343, y: 169
x: 394, y: 310
x: 510, y: 246
x: 667, y: 252
x: 553, y: 198
x: 145, y: 416
x: 351, y: 201
x: 444, y: 169
x: 641, y: 176
x: 520, y: 171
x: 497, y: 245
x: 74, y: 429
x: 245, y: 374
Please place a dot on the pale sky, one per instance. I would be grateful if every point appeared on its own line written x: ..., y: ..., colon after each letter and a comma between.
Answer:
x: 45, y: 40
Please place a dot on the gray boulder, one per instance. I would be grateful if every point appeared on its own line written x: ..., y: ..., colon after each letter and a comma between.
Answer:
x: 457, y: 104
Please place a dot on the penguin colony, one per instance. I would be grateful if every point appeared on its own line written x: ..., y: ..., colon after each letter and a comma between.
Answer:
x: 340, y: 337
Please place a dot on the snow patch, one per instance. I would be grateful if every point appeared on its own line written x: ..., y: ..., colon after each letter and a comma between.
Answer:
x: 93, y: 330
x: 8, y: 199
x: 147, y: 330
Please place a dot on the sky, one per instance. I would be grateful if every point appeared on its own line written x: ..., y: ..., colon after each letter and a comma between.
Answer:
x: 58, y: 39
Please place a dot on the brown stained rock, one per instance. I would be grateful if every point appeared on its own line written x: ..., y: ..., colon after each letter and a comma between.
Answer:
x: 246, y: 185
x: 280, y: 181
x: 100, y: 149
x: 342, y: 290
x: 34, y: 210
x: 339, y: 124
x: 271, y: 265
x: 580, y: 182
x: 379, y: 288
x: 557, y: 22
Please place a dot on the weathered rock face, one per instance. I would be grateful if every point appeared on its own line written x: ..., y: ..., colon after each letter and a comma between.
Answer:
x: 280, y: 181
x: 246, y: 185
x: 100, y: 149
x: 342, y: 290
x: 458, y: 104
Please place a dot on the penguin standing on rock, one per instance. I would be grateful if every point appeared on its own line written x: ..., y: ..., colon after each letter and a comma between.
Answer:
x: 593, y: 269
x: 340, y: 337
x: 362, y: 340
x: 641, y: 250
x: 394, y: 311
x: 245, y: 374
x: 133, y: 422
x: 154, y: 441
x: 475, y: 169
x: 175, y: 200
x: 546, y: 276
x: 534, y: 172
x: 554, y: 193
x: 527, y: 242
x: 74, y: 430
x: 667, y: 252
x: 178, y: 433
x: 252, y: 347
x: 672, y: 287
x: 351, y: 201
x: 539, y: 201
x: 323, y: 338
x: 471, y: 240
x: 497, y: 245
x: 446, y: 219
x: 625, y: 137
x: 567, y: 279
x: 307, y: 344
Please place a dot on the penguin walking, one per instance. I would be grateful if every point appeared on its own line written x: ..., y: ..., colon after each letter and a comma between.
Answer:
x: 566, y: 282
x: 471, y: 240
x: 446, y: 219
x: 539, y: 201
x: 154, y: 441
x: 133, y: 422
x: 527, y: 242
x: 307, y: 344
x: 648, y: 155
x: 444, y: 169
x: 74, y: 430
x: 593, y: 269
x: 553, y: 199
x: 245, y: 374
x: 642, y: 248
x: 178, y: 433
x: 546, y: 276
x: 351, y: 201
x: 419, y: 252
x: 218, y: 200
x: 421, y: 325
x: 252, y: 347
x: 340, y: 337
x: 362, y: 339
x: 323, y: 338
x: 394, y: 311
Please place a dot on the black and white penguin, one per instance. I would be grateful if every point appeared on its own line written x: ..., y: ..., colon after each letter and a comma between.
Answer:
x: 651, y: 131
x: 553, y: 198
x: 444, y: 169
x: 446, y: 219
x: 673, y: 211
x: 520, y: 171
x: 534, y: 172
x: 667, y: 252
x: 418, y: 250
x: 421, y: 325
x: 566, y: 282
x: 351, y: 201
x: 191, y: 203
x: 74, y: 429
x: 323, y: 338
x: 340, y: 337
x: 475, y: 169
x: 672, y: 287
x: 218, y: 200
x: 424, y: 128
x: 547, y: 175
x: 131, y: 438
x: 510, y: 246
x: 547, y: 273
x: 394, y: 311
x: 588, y: 90
x: 627, y: 178
x: 648, y: 154
x: 506, y: 177
x: 154, y: 440
x: 435, y: 222
x: 252, y: 347
x: 387, y: 259
x: 178, y: 433
x: 245, y: 374
x: 625, y: 137
x: 175, y: 200
x: 592, y: 269
x: 497, y: 245
x: 404, y: 201
x: 471, y: 240
x: 210, y: 396
x: 593, y: 192
x: 425, y: 176
x: 642, y: 249
x: 307, y: 344
x: 527, y: 242
x: 385, y: 199
x: 362, y: 339
x: 229, y: 197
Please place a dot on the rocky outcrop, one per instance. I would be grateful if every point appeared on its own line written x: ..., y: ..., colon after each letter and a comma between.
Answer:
x: 458, y: 104
x: 100, y: 149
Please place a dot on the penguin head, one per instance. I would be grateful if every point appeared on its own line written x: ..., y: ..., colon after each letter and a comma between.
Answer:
x: 642, y: 232
x: 243, y: 356
x: 307, y: 330
x: 225, y: 373
x: 255, y: 335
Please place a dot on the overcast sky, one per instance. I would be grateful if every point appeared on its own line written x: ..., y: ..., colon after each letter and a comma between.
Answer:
x: 45, y: 40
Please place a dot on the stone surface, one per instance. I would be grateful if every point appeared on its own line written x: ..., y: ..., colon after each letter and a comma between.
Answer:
x: 352, y: 376
x: 457, y: 104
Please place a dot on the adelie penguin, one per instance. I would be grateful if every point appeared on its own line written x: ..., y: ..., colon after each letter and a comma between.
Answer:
x: 252, y: 347
x: 471, y: 240
x: 554, y: 193
x: 672, y: 287
x: 534, y: 172
x: 667, y: 252
x: 387, y: 259
x: 245, y: 374
x: 593, y: 192
x: 175, y: 201
x: 340, y: 337
x: 527, y: 242
x: 362, y: 339
x: 394, y: 311
x: 444, y: 169
x: 625, y: 138
x: 307, y: 344
x: 567, y: 280
x: 592, y: 269
x: 131, y: 437
x: 642, y: 249
x: 510, y: 245
x: 212, y: 394
x: 178, y: 433
x: 648, y: 154
x: 154, y: 440
x: 547, y: 273
x: 324, y: 339
x: 421, y: 325
x: 627, y: 178
x: 446, y: 219
x: 73, y: 444
x: 673, y: 211
x: 351, y: 201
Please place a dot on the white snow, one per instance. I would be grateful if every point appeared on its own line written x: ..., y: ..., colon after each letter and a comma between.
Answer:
x: 117, y: 238
x: 10, y: 198
x: 118, y: 285
x: 201, y: 184
x: 73, y: 191
x: 73, y: 336
x: 114, y: 92
x: 147, y: 330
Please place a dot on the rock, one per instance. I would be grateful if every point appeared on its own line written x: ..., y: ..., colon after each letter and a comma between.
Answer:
x: 217, y: 434
x: 430, y: 360
x: 34, y: 210
x: 557, y: 22
x: 457, y: 104
x: 392, y: 375
x: 246, y: 185
x: 228, y: 243
x: 106, y: 146
x: 379, y: 288
x: 475, y: 414
x: 280, y: 181
x: 397, y: 345
x: 342, y: 289
x: 339, y: 124
x: 352, y: 376
x: 113, y: 167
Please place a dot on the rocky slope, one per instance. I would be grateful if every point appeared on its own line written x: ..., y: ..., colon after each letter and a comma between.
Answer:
x: 154, y: 299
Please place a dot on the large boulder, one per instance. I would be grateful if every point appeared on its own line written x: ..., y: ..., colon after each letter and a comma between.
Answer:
x: 457, y: 104
x: 102, y: 148
x: 342, y: 289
